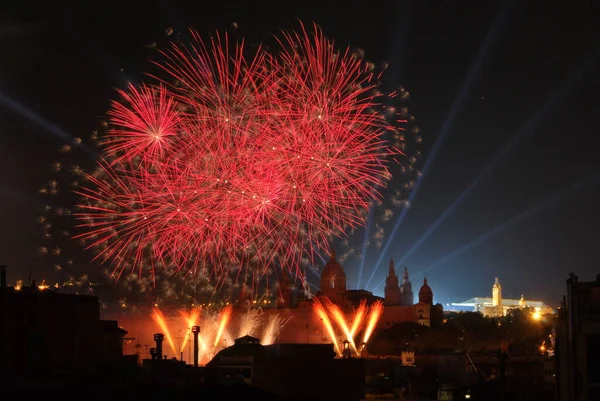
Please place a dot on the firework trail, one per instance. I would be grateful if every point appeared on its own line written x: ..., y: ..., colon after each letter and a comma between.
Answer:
x: 359, y: 316
x: 330, y: 313
x: 191, y: 318
x: 272, y: 328
x: 159, y: 318
x: 250, y: 323
x: 244, y: 164
x: 321, y: 311
x: 340, y: 319
x: 375, y: 312
x: 224, y: 318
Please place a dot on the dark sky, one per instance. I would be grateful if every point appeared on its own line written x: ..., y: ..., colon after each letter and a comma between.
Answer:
x: 483, y: 75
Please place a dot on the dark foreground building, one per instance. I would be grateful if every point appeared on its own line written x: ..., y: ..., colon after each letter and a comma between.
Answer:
x: 294, y: 371
x: 47, y: 336
x: 578, y: 342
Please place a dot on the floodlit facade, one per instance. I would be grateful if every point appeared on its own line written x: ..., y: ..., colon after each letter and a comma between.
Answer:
x: 497, y: 306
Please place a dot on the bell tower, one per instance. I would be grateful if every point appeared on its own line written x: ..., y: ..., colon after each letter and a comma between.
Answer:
x: 497, y: 293
x: 392, y: 289
x: 406, y: 289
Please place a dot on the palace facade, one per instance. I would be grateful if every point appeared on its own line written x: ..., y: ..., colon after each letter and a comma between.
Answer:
x: 304, y: 326
x: 497, y: 306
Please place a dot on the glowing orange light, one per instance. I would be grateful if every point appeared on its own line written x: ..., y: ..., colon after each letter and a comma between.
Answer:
x: 320, y: 310
x: 159, y: 318
x: 338, y: 316
x: 358, y: 318
x: 223, y: 320
x: 43, y: 286
x: 375, y: 313
x: 191, y: 318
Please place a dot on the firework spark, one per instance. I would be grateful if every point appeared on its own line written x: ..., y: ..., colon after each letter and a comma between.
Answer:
x: 375, y: 312
x: 224, y: 318
x: 191, y: 318
x: 160, y: 320
x: 321, y: 311
x: 272, y: 328
x: 245, y: 162
x: 250, y: 323
x: 368, y: 318
x: 340, y: 319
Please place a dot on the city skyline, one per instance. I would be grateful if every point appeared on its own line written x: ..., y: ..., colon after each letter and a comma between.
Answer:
x: 510, y: 176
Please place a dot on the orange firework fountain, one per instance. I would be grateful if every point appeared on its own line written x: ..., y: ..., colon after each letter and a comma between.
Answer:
x: 216, y: 330
x: 322, y: 313
x: 375, y: 313
x: 363, y: 317
x: 192, y: 318
x: 219, y: 328
x: 159, y: 318
x: 223, y: 321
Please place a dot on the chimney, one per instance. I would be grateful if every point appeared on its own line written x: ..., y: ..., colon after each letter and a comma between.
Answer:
x: 196, y: 331
x: 159, y: 338
x: 2, y: 276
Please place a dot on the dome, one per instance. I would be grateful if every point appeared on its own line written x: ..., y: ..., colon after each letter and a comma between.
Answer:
x: 425, y: 293
x: 333, y: 277
x: 333, y: 268
x: 425, y: 288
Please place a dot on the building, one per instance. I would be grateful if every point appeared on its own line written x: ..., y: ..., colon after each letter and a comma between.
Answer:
x: 45, y: 333
x: 294, y: 371
x: 304, y: 326
x: 578, y: 342
x: 498, y: 306
x: 456, y: 376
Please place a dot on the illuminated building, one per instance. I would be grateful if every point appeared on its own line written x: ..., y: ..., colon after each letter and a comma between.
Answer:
x: 498, y: 306
x: 303, y: 326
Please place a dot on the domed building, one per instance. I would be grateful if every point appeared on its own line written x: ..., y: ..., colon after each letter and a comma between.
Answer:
x: 302, y: 324
x: 333, y: 280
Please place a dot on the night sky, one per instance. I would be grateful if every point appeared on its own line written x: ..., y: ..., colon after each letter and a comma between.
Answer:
x: 505, y: 95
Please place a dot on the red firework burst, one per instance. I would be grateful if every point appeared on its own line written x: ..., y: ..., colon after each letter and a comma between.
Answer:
x: 243, y: 161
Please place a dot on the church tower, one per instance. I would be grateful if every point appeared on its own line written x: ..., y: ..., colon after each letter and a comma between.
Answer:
x: 497, y: 308
x: 392, y: 289
x: 497, y: 294
x: 406, y: 289
x: 425, y: 293
x: 333, y: 280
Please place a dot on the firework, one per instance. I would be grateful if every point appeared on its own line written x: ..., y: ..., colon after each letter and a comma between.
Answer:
x: 329, y: 313
x: 321, y: 312
x: 375, y: 312
x: 245, y: 164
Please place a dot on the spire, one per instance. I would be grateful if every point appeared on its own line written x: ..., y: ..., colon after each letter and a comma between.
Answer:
x: 405, y: 277
x: 392, y: 291
x: 392, y: 271
x: 425, y: 280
